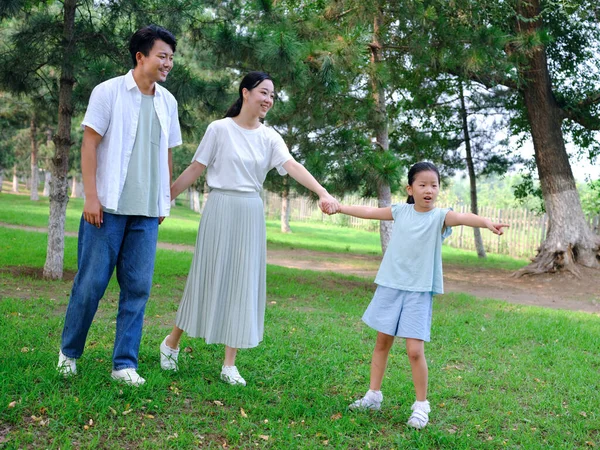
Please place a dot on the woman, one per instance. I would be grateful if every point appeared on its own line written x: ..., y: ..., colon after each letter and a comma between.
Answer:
x: 225, y: 294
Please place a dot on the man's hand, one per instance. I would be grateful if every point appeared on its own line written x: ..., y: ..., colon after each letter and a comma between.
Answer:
x: 92, y: 211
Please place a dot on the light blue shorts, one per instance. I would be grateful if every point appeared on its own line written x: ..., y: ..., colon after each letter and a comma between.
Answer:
x: 399, y: 313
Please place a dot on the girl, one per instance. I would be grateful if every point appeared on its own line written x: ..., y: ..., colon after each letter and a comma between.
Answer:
x: 225, y: 294
x: 409, y: 275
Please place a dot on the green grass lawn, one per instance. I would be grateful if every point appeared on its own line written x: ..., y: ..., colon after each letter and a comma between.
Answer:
x: 501, y: 375
x: 182, y: 227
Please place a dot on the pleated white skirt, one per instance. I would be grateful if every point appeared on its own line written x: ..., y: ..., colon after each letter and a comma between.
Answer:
x: 225, y: 293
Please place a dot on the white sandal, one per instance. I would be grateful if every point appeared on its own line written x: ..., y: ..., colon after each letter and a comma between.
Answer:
x: 420, y: 416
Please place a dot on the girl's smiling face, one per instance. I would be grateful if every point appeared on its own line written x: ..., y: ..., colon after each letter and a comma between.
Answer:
x: 424, y: 189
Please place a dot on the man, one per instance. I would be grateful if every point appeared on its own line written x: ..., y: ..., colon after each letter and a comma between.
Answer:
x: 130, y: 126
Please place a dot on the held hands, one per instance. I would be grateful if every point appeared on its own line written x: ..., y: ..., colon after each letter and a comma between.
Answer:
x: 328, y: 204
x: 92, y: 211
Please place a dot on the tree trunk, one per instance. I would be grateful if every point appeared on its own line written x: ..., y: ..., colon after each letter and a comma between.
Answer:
x: 194, y: 199
x: 77, y: 187
x: 34, y: 152
x: 204, y: 196
x: 53, y: 268
x: 15, y: 184
x: 285, y: 207
x: 384, y: 193
x: 47, y: 173
x: 471, y: 170
x: 1, y: 178
x: 47, y: 178
x: 569, y: 240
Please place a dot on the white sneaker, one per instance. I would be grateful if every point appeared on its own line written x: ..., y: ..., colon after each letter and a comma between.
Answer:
x: 230, y: 374
x: 66, y: 366
x: 168, y: 356
x: 371, y: 400
x: 128, y: 376
x: 420, y: 416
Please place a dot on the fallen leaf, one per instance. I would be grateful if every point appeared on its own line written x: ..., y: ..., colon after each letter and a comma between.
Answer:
x: 218, y: 403
x: 263, y: 436
x: 336, y: 416
x: 243, y: 413
x: 582, y: 413
x: 149, y: 416
x: 126, y: 412
x: 25, y: 350
x: 12, y: 404
x: 112, y: 410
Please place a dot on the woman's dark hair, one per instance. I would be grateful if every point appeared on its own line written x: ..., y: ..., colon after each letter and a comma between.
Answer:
x: 250, y: 81
x: 422, y: 166
x: 144, y: 38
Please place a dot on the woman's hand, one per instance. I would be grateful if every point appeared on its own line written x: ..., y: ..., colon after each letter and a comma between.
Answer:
x: 328, y: 204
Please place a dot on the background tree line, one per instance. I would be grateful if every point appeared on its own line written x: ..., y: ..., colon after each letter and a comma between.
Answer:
x: 365, y: 90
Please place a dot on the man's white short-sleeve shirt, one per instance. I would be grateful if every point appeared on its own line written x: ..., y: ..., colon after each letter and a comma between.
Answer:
x: 113, y: 112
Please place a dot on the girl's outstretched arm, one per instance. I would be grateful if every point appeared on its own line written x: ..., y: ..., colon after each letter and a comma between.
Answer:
x: 367, y: 212
x: 185, y: 180
x: 471, y: 220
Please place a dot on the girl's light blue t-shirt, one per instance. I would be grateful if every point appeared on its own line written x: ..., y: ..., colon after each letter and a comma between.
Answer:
x: 413, y: 259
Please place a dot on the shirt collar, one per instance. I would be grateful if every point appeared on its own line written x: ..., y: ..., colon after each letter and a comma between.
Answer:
x: 130, y: 83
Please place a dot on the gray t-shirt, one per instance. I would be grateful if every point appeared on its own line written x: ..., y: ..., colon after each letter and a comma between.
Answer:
x: 140, y: 191
x: 413, y: 259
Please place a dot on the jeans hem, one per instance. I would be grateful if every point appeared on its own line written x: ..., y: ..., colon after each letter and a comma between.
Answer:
x: 124, y: 367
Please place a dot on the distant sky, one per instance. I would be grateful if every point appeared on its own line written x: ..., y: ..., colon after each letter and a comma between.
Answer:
x: 582, y: 169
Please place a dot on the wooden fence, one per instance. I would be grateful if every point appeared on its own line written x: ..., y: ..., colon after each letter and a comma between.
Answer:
x: 521, y: 240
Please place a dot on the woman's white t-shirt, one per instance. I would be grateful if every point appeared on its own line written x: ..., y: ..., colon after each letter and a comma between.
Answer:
x: 239, y: 159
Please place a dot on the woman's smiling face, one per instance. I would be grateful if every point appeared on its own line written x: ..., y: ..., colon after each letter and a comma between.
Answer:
x: 259, y: 100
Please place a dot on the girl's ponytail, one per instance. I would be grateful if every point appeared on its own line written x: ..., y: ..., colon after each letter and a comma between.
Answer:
x: 410, y: 200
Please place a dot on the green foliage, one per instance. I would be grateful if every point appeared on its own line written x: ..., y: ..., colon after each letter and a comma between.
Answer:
x: 590, y: 197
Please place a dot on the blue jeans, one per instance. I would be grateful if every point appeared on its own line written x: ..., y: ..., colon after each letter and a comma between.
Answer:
x: 129, y: 244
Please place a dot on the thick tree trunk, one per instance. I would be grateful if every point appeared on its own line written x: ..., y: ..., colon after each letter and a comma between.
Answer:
x: 471, y: 170
x: 285, y: 207
x: 53, y: 268
x: 384, y: 193
x: 34, y: 166
x: 569, y: 239
x: 15, y: 180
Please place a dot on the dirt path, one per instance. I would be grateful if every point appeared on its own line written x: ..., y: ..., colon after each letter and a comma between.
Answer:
x: 560, y: 291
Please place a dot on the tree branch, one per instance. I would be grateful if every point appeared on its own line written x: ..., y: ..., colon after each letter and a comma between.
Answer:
x: 583, y: 118
x: 489, y: 81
